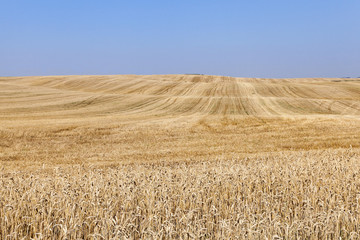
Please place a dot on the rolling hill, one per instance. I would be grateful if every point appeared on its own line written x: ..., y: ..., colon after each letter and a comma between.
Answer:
x: 175, y: 95
x: 127, y: 118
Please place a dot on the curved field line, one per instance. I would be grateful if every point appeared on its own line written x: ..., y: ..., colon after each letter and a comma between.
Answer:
x: 176, y: 95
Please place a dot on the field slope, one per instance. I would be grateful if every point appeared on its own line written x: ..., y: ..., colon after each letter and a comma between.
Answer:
x: 107, y: 119
x: 171, y: 95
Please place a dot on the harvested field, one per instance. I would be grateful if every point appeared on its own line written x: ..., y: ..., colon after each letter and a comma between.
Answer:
x: 179, y: 156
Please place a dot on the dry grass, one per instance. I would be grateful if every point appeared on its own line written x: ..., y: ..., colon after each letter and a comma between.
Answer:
x: 179, y: 156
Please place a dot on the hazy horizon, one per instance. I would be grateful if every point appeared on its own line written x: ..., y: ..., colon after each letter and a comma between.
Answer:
x: 262, y: 39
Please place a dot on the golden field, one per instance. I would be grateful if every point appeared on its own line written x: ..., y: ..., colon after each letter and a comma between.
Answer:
x: 179, y: 156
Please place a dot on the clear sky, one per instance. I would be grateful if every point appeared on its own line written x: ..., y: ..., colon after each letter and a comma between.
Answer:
x: 249, y: 38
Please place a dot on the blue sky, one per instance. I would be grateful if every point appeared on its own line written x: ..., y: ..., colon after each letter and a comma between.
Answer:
x: 259, y: 38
